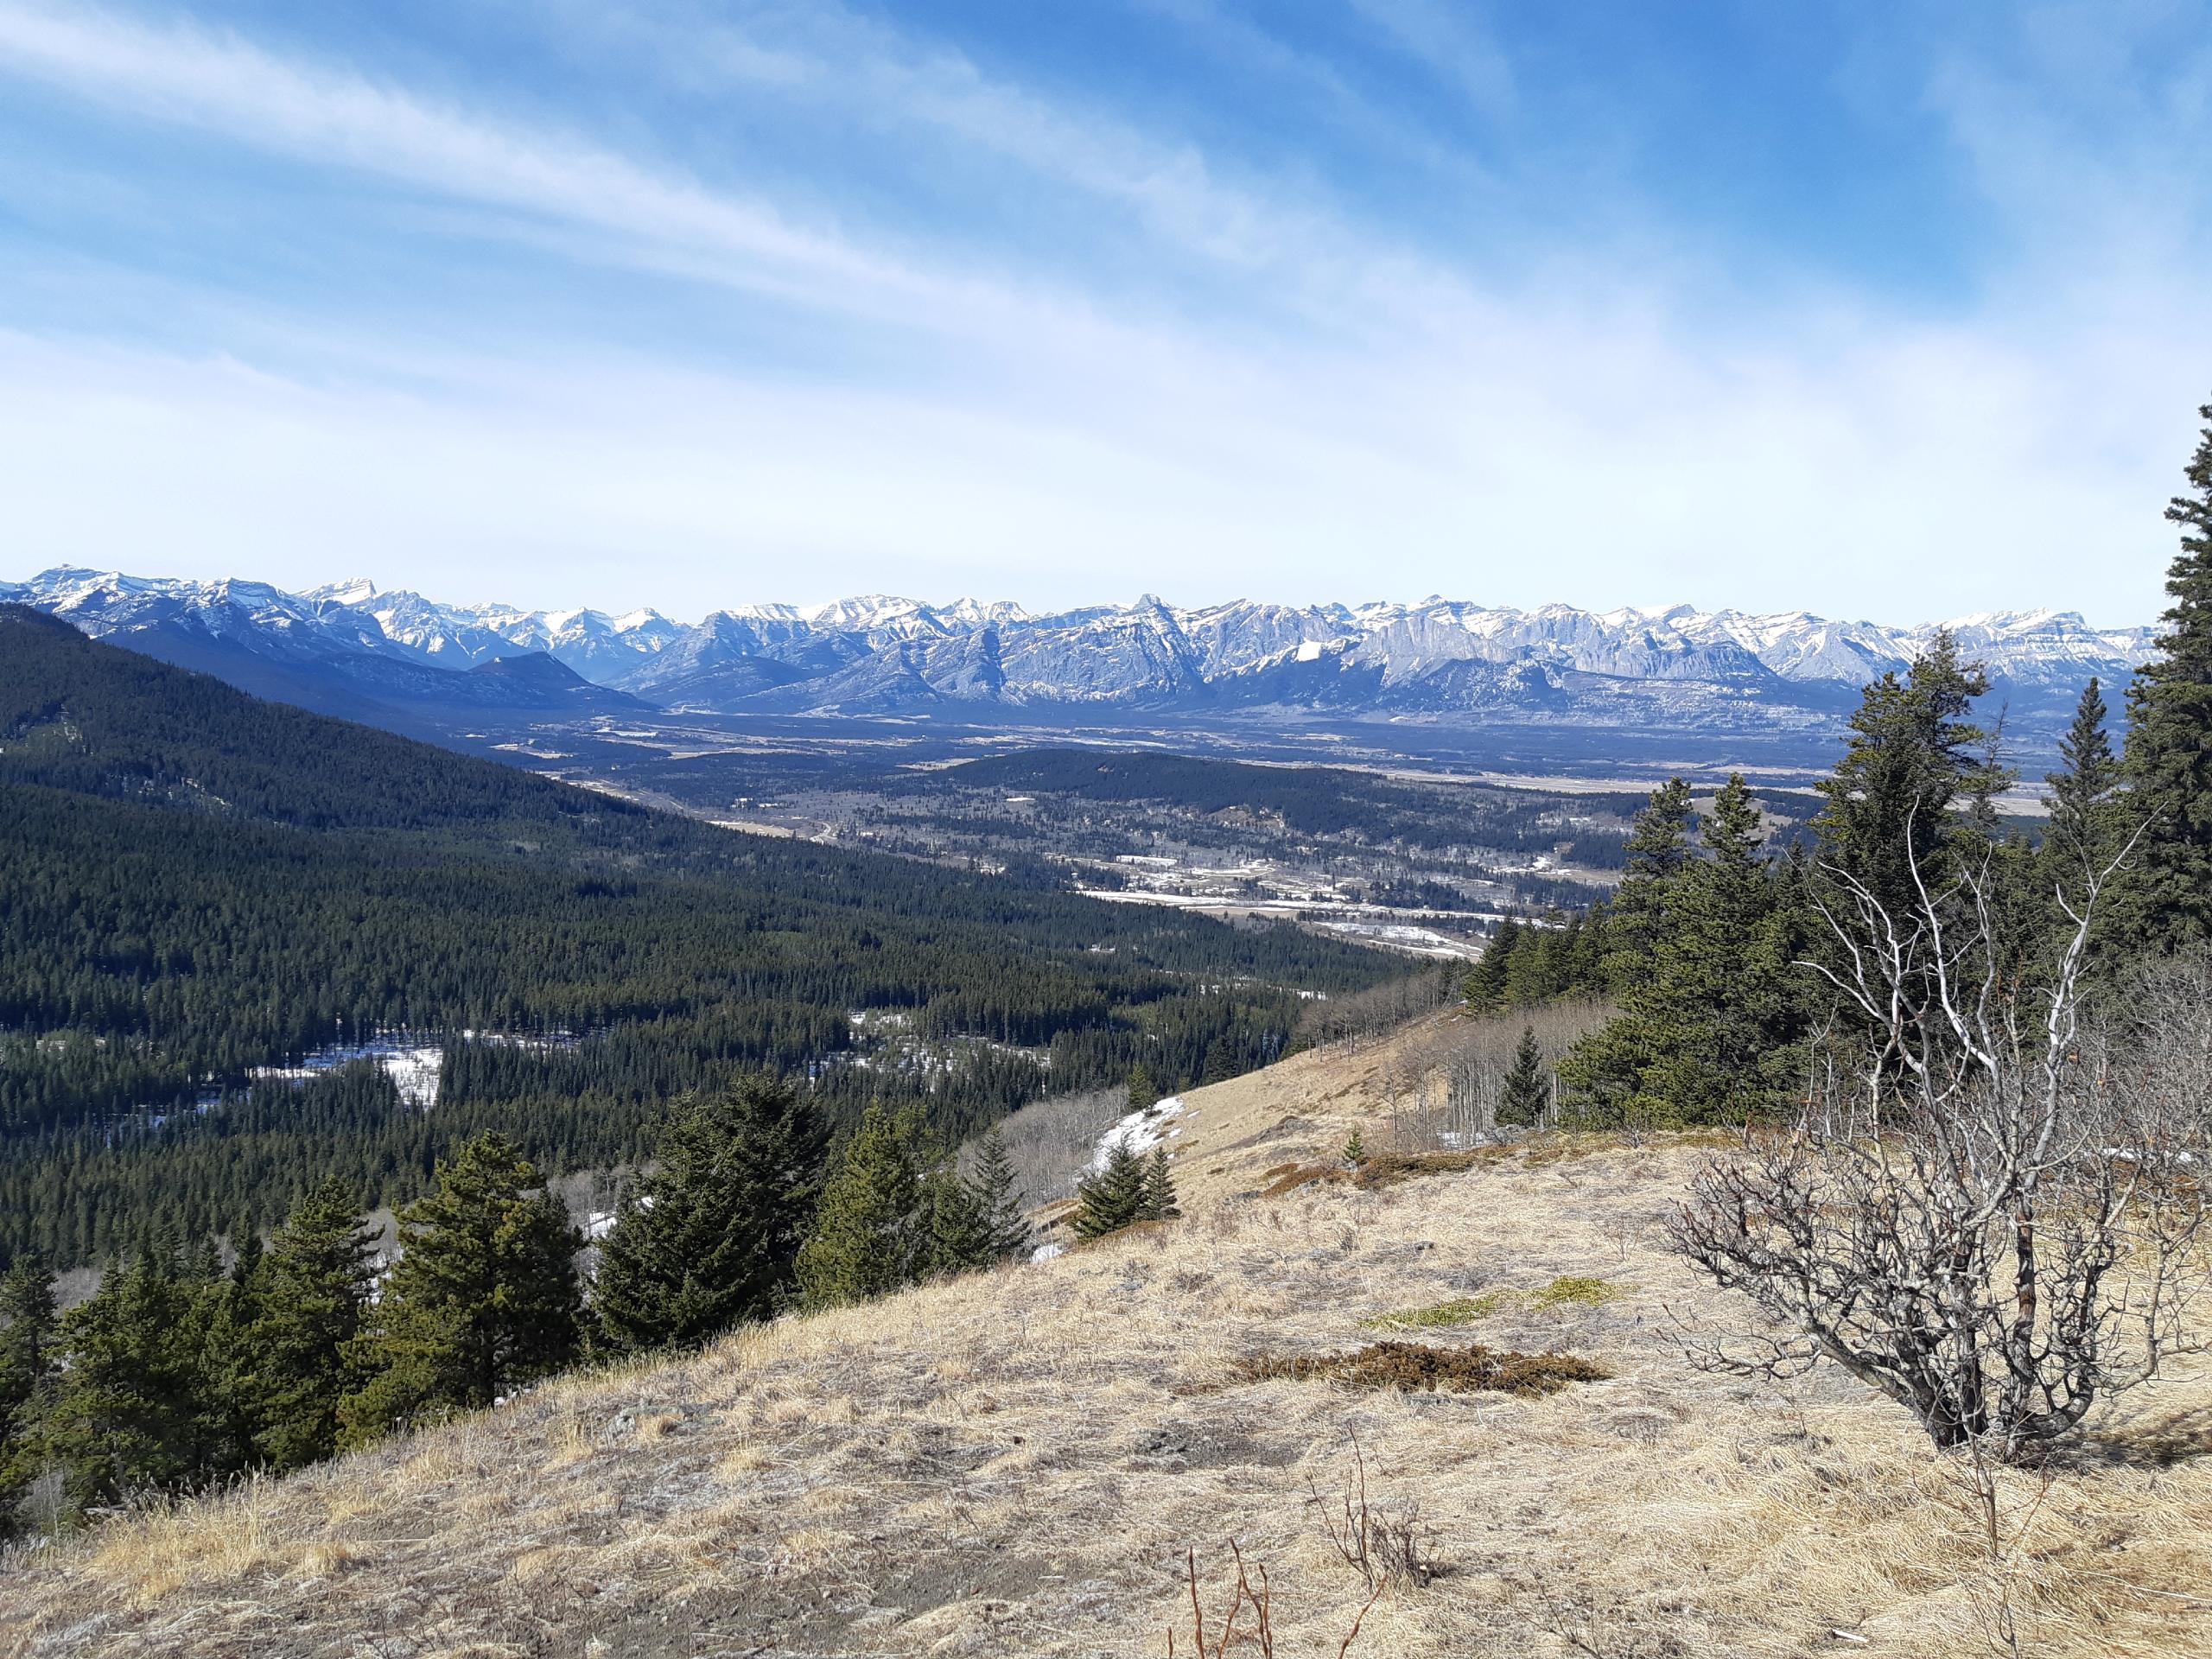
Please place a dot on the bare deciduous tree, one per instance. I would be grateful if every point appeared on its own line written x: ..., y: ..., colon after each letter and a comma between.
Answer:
x: 1987, y: 1210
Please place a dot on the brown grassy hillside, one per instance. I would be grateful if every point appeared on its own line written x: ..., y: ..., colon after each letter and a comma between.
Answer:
x: 1017, y: 1464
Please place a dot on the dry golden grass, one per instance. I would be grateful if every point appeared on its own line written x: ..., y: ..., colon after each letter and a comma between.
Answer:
x: 1015, y: 1465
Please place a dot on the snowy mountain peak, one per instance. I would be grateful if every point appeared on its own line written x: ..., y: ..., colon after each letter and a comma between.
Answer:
x: 1630, y: 665
x: 354, y: 590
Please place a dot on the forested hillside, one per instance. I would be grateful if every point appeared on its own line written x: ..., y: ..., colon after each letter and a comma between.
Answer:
x: 198, y: 885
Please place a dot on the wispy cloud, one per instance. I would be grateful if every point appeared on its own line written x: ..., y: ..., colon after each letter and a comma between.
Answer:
x: 222, y: 84
x: 1197, y: 368
x: 1453, y: 49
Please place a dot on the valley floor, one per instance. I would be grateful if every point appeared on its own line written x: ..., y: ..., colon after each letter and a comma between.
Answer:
x: 1018, y: 1463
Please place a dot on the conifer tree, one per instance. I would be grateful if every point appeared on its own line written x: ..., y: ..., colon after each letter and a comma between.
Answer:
x: 1112, y: 1197
x: 1911, y: 758
x: 27, y: 1374
x: 1528, y: 1085
x: 1144, y: 1093
x: 1656, y: 853
x: 958, y: 1240
x: 482, y: 1299
x: 710, y: 1238
x: 1488, y: 981
x: 1220, y: 1064
x: 1710, y: 1029
x: 2081, y: 802
x: 2167, y: 754
x: 1726, y: 993
x: 223, y: 1316
x: 867, y: 1236
x: 316, y: 1279
x: 1159, y: 1201
x: 128, y: 1412
x: 1006, y: 1228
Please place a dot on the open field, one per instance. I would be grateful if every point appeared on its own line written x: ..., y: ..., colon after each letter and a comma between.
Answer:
x: 1017, y: 1463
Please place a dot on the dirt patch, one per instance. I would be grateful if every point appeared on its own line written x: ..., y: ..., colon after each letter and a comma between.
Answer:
x: 1415, y: 1366
x: 1282, y: 1129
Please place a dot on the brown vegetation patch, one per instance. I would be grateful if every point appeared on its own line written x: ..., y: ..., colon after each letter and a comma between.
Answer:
x: 1383, y: 1169
x: 1415, y: 1366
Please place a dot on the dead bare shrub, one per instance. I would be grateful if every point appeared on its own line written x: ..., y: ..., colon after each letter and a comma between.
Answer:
x: 1260, y: 1630
x: 1987, y: 1211
x: 1418, y: 1368
x: 1383, y: 1541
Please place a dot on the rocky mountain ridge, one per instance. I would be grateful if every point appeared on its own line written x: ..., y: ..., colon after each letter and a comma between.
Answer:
x: 880, y: 654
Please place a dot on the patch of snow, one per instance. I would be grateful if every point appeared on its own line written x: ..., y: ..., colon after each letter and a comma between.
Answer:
x: 412, y: 1067
x: 1139, y: 1131
x: 599, y: 1223
x: 411, y: 1062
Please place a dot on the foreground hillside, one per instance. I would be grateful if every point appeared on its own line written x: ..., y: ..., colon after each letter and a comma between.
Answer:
x: 1018, y: 1463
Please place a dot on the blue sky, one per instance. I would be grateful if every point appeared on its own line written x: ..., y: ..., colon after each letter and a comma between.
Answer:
x: 1898, y: 311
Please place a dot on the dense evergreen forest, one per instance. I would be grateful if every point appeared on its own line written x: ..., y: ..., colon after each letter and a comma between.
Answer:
x: 199, y: 885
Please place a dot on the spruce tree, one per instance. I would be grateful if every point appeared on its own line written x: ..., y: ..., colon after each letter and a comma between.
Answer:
x: 1711, y: 1028
x: 482, y: 1299
x: 1528, y: 1085
x: 868, y: 1234
x: 959, y: 1240
x: 317, y: 1276
x: 1612, y: 1065
x: 1112, y: 1197
x: 27, y: 1374
x: 224, y: 1315
x: 1724, y: 995
x: 1657, y: 854
x: 1913, y: 755
x: 128, y: 1412
x: 1219, y: 1063
x: 1144, y: 1093
x: 2081, y: 798
x: 2167, y: 754
x: 1159, y: 1200
x: 1488, y: 981
x: 1006, y: 1228
x: 710, y: 1238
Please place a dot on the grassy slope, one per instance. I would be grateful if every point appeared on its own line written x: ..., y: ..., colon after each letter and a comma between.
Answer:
x: 1015, y: 1463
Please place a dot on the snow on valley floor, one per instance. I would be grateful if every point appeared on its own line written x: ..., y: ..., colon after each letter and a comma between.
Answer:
x: 412, y: 1059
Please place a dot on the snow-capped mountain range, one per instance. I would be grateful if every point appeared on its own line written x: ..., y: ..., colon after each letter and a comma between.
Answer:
x: 1437, y: 659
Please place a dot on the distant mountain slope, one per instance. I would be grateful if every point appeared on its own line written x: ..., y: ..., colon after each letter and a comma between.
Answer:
x: 198, y: 884
x: 1677, y: 670
x: 318, y: 649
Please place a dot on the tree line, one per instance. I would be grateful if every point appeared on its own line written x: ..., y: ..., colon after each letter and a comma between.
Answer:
x: 180, y: 1371
x: 1719, y: 950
